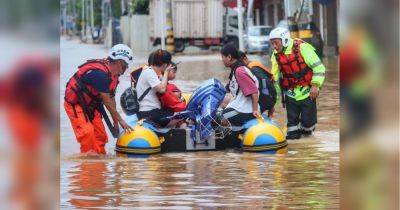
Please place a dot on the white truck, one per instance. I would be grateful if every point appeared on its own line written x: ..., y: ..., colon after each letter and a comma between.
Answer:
x: 201, y: 23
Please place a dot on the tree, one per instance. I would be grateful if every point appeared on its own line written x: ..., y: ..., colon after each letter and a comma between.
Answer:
x: 140, y: 7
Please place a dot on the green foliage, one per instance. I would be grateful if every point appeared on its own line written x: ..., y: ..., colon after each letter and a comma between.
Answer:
x: 116, y: 8
x: 140, y: 6
x: 76, y: 6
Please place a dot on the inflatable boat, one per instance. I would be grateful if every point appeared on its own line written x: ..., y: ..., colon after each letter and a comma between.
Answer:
x: 257, y: 135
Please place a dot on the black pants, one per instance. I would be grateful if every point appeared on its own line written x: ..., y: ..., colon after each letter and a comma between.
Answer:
x: 236, y: 118
x: 158, y: 116
x: 301, y: 115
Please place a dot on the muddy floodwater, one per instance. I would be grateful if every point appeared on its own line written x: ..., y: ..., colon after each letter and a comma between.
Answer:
x: 305, y: 175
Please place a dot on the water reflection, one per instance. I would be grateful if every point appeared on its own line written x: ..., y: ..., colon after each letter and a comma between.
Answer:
x: 207, y: 180
x: 89, y: 182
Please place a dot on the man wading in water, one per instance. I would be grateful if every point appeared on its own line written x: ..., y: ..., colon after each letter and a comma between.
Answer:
x: 91, y: 87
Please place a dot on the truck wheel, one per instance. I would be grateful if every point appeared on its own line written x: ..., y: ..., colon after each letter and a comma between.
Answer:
x: 179, y: 45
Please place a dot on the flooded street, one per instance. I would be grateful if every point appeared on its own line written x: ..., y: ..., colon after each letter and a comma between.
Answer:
x: 305, y: 175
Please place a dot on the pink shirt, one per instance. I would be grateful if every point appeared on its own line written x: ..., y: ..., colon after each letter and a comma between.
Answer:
x: 246, y: 83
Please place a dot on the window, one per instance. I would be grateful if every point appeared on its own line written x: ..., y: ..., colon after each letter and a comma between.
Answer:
x: 233, y: 21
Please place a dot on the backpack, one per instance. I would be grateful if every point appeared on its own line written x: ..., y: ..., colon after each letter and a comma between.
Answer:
x: 129, y: 99
x: 135, y: 74
x: 266, y: 88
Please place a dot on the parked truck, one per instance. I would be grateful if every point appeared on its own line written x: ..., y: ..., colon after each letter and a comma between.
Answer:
x: 201, y: 23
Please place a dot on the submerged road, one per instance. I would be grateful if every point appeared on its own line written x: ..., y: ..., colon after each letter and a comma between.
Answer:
x: 303, y: 176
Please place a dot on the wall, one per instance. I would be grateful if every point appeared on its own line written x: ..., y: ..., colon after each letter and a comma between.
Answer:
x: 125, y: 29
x: 108, y: 36
x: 139, y: 33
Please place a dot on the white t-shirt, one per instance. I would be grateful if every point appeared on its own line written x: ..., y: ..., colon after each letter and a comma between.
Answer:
x: 240, y: 102
x: 148, y: 78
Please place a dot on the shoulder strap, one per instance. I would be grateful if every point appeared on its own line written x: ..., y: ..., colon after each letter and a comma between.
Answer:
x: 238, y: 88
x: 135, y: 74
x: 83, y: 87
x: 144, y: 94
x: 234, y: 75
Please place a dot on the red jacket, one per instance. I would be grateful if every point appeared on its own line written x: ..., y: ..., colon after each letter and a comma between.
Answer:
x: 170, y: 101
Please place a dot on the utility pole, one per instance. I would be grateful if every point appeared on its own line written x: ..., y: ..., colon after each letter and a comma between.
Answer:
x: 122, y: 6
x: 240, y: 23
x: 64, y: 7
x: 250, y: 15
x: 91, y: 15
x: 162, y: 12
x: 83, y: 31
x: 74, y: 15
x: 170, y: 33
x: 102, y: 14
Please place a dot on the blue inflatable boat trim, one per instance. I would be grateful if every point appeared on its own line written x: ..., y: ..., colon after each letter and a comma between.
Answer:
x: 264, y: 139
x: 139, y: 143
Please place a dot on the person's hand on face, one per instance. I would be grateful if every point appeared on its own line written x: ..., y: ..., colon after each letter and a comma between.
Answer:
x: 169, y: 67
x: 167, y: 70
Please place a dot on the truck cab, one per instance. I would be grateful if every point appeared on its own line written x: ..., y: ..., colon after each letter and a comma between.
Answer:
x: 231, y: 27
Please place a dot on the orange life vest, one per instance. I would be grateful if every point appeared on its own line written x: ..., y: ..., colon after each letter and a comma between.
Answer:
x: 295, y: 71
x: 77, y: 92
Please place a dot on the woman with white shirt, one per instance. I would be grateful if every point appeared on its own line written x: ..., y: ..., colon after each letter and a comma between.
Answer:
x: 149, y: 84
x: 243, y: 85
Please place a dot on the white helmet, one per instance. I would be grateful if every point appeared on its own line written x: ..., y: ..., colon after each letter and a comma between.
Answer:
x: 121, y: 52
x: 280, y: 33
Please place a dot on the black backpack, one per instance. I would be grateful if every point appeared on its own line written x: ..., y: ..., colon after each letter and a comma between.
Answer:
x: 129, y: 99
x: 266, y: 88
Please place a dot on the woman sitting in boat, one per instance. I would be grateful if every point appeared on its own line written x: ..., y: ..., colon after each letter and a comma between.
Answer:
x: 243, y: 85
x: 149, y: 85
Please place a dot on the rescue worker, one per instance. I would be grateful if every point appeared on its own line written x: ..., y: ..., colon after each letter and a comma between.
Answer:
x: 301, y: 75
x: 243, y: 85
x: 91, y: 87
